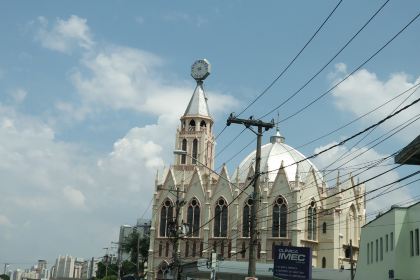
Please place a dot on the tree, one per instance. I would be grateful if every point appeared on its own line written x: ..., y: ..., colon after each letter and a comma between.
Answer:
x: 4, y: 277
x: 136, y: 243
x: 103, y: 271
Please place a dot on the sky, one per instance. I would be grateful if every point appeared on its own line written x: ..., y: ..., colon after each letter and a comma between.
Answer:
x: 91, y: 93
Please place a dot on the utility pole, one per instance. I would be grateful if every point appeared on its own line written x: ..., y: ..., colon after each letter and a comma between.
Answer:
x: 351, y: 261
x: 175, y: 236
x: 255, y: 195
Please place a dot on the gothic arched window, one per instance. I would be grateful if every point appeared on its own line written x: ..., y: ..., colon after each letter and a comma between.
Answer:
x: 193, y: 218
x: 279, y: 218
x: 312, y: 221
x: 220, y: 218
x: 202, y: 124
x: 192, y: 126
x: 324, y: 227
x: 165, y: 218
x: 324, y: 262
x: 163, y: 271
x: 194, y: 151
x: 184, y: 148
x: 246, y: 218
x: 351, y: 224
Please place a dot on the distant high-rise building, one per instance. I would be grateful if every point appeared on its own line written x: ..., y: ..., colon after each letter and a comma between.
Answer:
x: 125, y: 232
x: 67, y: 267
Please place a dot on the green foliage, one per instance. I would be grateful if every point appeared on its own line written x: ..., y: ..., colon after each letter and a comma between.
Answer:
x: 131, y: 247
x: 128, y: 267
x: 4, y: 277
x: 102, y: 270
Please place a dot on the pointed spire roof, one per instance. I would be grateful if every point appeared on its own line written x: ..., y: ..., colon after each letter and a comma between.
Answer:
x: 198, y: 103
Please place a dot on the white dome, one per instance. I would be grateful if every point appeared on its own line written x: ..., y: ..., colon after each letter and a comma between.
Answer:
x: 272, y: 155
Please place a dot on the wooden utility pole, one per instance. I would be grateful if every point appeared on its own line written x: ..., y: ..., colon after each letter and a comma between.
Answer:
x: 255, y: 195
x: 175, y: 235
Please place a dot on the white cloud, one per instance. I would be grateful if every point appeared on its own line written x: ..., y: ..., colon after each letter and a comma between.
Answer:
x: 361, y: 157
x: 364, y: 91
x: 126, y: 78
x: 4, y: 221
x: 65, y: 35
x: 19, y: 95
x: 75, y: 197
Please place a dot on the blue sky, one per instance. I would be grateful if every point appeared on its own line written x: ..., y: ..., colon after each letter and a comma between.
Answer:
x: 91, y: 94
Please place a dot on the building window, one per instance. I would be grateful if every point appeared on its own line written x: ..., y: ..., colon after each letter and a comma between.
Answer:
x: 184, y: 148
x: 324, y: 262
x: 376, y: 249
x: 160, y: 249
x: 272, y: 250
x: 312, y: 221
x: 193, y: 218
x: 279, y: 218
x: 386, y: 243
x: 194, y: 151
x: 194, y: 249
x: 392, y: 241
x: 351, y: 224
x: 411, y: 243
x: 167, y: 249
x: 324, y: 227
x: 381, y: 243
x: 230, y: 249
x: 371, y: 252
x: 246, y: 218
x: 201, y: 249
x: 165, y: 218
x: 202, y: 124
x: 417, y: 242
x: 368, y: 253
x: 243, y: 251
x: 220, y: 218
x: 259, y: 250
x: 192, y: 126
x: 187, y: 248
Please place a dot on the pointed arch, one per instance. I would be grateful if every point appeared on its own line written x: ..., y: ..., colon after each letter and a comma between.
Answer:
x: 220, y: 218
x: 246, y: 217
x: 163, y: 270
x: 191, y: 125
x: 194, y: 151
x: 193, y: 217
x: 184, y: 148
x: 324, y: 262
x: 166, y: 214
x: 352, y: 224
x: 203, y: 123
x: 279, y: 228
x: 312, y: 221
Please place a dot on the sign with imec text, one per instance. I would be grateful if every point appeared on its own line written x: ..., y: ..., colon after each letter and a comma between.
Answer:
x: 292, y: 263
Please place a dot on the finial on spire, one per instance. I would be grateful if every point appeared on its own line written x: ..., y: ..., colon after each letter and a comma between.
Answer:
x: 278, y: 138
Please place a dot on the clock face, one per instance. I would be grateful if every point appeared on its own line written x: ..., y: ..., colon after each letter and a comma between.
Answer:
x: 200, y: 69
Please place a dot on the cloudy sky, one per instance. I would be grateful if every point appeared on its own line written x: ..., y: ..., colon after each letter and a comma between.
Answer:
x: 91, y: 94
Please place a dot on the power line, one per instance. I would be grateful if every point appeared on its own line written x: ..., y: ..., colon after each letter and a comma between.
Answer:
x: 345, y: 78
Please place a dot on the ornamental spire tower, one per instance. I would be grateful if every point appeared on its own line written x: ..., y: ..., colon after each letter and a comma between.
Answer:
x: 195, y: 135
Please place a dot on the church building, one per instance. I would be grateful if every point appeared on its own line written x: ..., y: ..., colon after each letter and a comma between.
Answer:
x: 212, y: 208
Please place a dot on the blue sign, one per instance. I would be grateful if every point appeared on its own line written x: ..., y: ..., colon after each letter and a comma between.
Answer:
x: 292, y: 263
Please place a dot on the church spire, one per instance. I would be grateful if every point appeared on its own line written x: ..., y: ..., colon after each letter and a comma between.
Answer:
x: 198, y: 103
x: 195, y: 136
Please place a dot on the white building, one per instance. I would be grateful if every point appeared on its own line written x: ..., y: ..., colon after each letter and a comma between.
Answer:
x: 390, y: 245
x: 125, y: 232
x: 297, y: 207
x: 67, y: 267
